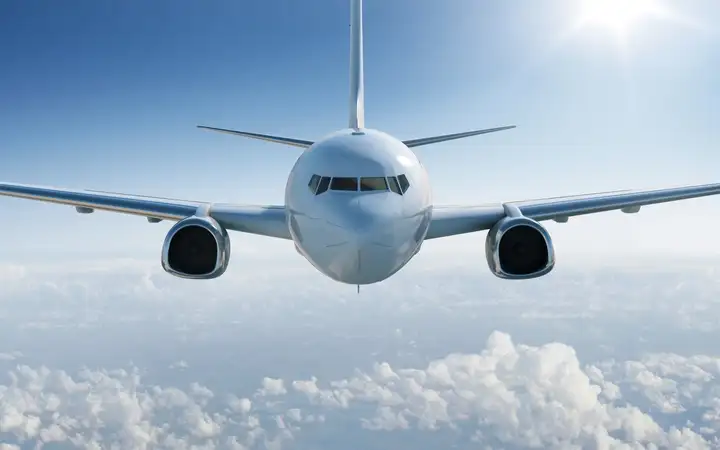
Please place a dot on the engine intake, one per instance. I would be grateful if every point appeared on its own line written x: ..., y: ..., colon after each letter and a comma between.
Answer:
x: 519, y: 248
x: 196, y: 248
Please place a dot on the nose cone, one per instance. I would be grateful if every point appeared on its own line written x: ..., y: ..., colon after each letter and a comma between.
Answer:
x: 359, y: 238
x: 363, y: 258
x: 374, y: 241
x: 369, y: 214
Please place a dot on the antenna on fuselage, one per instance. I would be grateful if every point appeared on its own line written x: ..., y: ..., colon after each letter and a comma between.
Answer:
x: 357, y: 88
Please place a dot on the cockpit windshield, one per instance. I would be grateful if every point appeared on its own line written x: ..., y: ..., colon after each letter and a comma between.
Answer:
x: 344, y: 184
x: 373, y: 184
x: 319, y: 184
x: 394, y: 185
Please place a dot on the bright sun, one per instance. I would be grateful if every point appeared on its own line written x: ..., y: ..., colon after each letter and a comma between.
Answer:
x: 617, y: 16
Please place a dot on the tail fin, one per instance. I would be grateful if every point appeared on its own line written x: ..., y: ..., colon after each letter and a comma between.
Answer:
x: 357, y: 88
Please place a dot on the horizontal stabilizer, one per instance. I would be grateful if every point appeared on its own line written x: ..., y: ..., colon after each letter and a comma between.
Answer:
x: 450, y: 137
x: 262, y: 137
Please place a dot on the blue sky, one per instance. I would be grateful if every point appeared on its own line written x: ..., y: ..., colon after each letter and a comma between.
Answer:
x: 107, y: 96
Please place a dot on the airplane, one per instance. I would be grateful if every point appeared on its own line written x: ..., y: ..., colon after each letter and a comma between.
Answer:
x: 358, y: 206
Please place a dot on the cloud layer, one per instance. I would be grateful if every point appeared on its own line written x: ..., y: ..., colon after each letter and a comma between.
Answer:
x: 116, y: 354
x: 531, y: 397
x: 506, y: 396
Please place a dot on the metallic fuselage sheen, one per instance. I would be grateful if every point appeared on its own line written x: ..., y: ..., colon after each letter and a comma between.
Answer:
x: 358, y: 237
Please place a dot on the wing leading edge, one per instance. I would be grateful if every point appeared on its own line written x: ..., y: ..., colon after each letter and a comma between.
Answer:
x: 454, y: 220
x: 262, y: 220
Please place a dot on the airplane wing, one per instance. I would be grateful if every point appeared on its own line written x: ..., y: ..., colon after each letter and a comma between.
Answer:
x: 454, y: 220
x: 262, y: 220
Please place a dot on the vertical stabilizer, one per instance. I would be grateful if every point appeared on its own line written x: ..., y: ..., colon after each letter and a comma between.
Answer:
x: 357, y: 89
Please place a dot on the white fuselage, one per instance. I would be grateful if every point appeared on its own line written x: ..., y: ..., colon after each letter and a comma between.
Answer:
x: 358, y: 235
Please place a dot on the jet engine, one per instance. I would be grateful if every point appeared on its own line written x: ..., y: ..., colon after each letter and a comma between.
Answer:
x: 519, y: 248
x: 197, y: 248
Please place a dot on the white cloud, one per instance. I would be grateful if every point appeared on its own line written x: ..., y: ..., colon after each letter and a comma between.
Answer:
x: 522, y: 396
x: 100, y: 409
x: 241, y: 405
x: 9, y: 447
x: 294, y: 414
x: 272, y: 386
x: 180, y: 365
x: 507, y: 395
x: 10, y: 356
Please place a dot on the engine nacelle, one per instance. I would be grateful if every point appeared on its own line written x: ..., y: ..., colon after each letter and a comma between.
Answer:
x: 197, y: 248
x: 519, y: 248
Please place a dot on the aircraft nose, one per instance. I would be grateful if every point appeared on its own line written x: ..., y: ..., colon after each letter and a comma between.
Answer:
x: 364, y: 259
x: 359, y: 239
x: 366, y: 214
x: 360, y: 217
x: 371, y: 249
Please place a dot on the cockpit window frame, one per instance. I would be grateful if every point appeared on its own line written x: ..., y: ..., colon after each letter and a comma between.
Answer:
x: 394, y: 185
x: 323, y: 185
x: 404, y: 183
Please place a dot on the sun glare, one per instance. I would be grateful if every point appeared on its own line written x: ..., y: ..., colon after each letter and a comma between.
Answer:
x: 618, y: 16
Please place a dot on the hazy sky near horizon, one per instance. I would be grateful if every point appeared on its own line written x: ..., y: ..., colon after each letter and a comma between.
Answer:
x: 107, y: 96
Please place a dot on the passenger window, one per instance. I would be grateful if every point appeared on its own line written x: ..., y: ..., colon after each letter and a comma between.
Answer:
x: 394, y: 186
x: 323, y: 185
x: 404, y: 183
x: 373, y: 184
x: 313, y: 184
x: 344, y: 184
